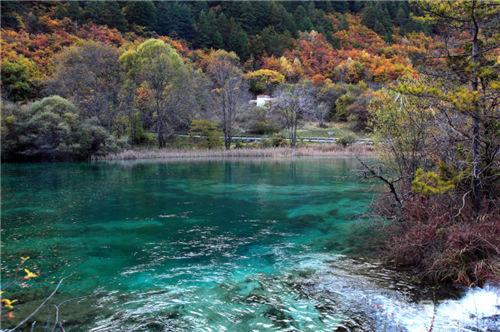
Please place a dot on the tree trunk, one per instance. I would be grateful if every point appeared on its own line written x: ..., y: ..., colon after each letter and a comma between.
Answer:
x: 476, y: 167
x: 226, y: 123
x: 294, y: 132
x: 227, y: 140
x: 161, y: 140
x: 160, y: 133
x: 476, y: 126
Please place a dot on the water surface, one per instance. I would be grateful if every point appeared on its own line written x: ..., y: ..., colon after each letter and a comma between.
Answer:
x: 236, y: 245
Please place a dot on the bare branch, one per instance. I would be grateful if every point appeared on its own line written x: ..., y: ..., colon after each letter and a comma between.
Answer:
x: 390, y: 184
x: 40, y: 306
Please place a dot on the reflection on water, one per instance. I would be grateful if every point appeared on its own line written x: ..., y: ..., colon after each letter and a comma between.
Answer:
x: 203, y: 245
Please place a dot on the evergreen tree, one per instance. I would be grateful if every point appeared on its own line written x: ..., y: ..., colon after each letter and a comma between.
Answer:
x: 402, y: 20
x: 377, y: 18
x: 302, y: 20
x: 174, y: 18
x: 340, y: 6
x: 206, y: 31
x: 273, y: 42
x: 11, y: 14
x: 142, y: 13
x: 233, y: 35
x: 280, y: 19
x: 74, y: 11
x: 106, y: 13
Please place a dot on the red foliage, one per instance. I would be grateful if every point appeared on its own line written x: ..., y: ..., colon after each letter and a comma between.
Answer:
x: 363, y: 55
x: 101, y: 34
x: 445, y: 245
x: 316, y: 55
x: 42, y: 47
x: 359, y: 36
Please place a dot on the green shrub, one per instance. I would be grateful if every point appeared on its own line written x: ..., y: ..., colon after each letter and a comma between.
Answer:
x: 275, y: 141
x: 148, y: 138
x: 52, y: 128
x: 209, y: 132
x: 279, y: 141
x: 19, y: 79
x: 346, y: 140
x: 266, y: 143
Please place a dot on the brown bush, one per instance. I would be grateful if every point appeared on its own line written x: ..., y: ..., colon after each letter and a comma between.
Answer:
x: 441, y: 241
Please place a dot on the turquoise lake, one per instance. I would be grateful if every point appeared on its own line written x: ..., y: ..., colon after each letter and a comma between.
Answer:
x: 233, y: 245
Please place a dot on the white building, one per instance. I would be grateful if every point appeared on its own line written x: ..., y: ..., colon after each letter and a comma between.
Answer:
x: 261, y: 100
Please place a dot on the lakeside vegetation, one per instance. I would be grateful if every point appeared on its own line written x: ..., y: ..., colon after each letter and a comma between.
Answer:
x: 132, y: 80
x: 273, y: 152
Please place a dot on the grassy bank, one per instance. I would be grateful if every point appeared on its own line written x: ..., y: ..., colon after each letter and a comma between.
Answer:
x: 311, y: 150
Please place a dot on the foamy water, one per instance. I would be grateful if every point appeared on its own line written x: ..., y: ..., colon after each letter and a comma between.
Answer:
x: 368, y: 297
x: 478, y: 309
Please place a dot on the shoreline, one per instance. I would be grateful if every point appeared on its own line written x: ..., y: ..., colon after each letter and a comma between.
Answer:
x: 280, y: 152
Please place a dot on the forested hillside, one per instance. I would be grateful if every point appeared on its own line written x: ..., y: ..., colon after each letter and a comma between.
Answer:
x: 79, y: 51
x: 81, y: 79
x: 250, y: 29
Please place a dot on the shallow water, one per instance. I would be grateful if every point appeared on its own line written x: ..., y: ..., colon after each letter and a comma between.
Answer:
x: 202, y: 246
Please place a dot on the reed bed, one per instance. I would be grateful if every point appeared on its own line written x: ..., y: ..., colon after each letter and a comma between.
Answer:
x: 281, y: 152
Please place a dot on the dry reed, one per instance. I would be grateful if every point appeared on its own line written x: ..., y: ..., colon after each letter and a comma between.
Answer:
x: 282, y: 152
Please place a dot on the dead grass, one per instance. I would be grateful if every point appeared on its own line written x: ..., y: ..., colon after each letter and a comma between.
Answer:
x: 312, y: 150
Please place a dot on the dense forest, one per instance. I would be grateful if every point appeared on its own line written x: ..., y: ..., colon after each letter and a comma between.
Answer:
x: 421, y: 78
x: 82, y: 51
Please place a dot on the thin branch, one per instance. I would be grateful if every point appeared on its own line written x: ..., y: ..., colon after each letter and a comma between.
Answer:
x: 463, y: 204
x: 39, y: 307
x: 389, y: 183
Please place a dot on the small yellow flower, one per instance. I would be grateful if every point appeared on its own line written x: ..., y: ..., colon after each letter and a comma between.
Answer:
x: 8, y: 303
x: 29, y: 274
x: 24, y: 258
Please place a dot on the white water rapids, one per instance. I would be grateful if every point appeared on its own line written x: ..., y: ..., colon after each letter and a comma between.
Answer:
x: 371, y: 299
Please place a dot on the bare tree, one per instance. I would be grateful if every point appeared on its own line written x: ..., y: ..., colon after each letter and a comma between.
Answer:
x: 229, y: 90
x: 89, y: 75
x: 293, y: 104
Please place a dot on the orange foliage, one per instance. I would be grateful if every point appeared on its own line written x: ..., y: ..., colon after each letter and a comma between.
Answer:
x: 359, y: 36
x: 315, y: 54
x: 41, y: 47
x: 363, y: 55
x: 292, y: 69
x: 179, y: 45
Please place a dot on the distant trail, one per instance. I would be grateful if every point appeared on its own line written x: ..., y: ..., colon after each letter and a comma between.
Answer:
x: 322, y: 140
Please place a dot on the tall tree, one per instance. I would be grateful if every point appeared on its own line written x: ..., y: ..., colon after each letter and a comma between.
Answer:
x: 207, y: 34
x: 293, y: 104
x: 174, y: 18
x: 89, y: 75
x: 141, y: 13
x: 302, y: 19
x: 160, y: 69
x: 107, y: 13
x: 229, y: 89
x: 463, y: 86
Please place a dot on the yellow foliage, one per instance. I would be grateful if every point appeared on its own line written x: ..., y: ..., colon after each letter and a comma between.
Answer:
x: 8, y: 304
x: 431, y: 183
x: 29, y: 274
